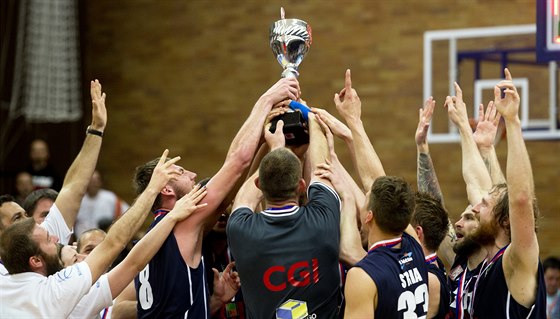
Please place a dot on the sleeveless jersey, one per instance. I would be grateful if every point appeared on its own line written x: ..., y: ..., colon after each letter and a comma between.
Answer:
x: 401, y: 277
x: 462, y: 287
x: 444, y: 288
x: 492, y: 298
x: 289, y: 253
x: 169, y: 288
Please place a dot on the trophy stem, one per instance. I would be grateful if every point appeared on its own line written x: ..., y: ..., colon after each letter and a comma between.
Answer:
x: 290, y: 73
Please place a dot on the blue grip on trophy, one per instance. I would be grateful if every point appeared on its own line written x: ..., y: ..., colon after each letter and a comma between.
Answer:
x: 298, y: 106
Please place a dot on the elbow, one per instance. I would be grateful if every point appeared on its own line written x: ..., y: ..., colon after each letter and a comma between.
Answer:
x: 240, y: 160
x: 115, y: 245
x: 521, y: 199
x: 350, y: 254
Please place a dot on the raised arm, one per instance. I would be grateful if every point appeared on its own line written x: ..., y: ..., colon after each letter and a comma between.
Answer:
x: 521, y: 258
x: 318, y: 151
x: 125, y: 227
x: 77, y: 178
x: 427, y: 178
x: 426, y: 174
x: 349, y: 106
x: 339, y: 130
x: 475, y: 174
x: 120, y: 276
x: 243, y: 148
x: 351, y: 249
x: 250, y: 195
x: 484, y: 137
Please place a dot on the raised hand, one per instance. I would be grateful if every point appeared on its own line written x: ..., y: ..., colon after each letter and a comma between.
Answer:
x: 508, y: 106
x: 98, y: 111
x: 338, y: 128
x: 185, y: 206
x: 328, y: 134
x: 487, y: 126
x: 284, y: 89
x: 456, y: 108
x: 275, y: 140
x: 164, y: 171
x: 424, y: 118
x: 347, y: 101
x: 226, y: 283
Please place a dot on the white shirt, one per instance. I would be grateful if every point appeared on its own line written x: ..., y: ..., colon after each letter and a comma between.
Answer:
x: 92, y: 304
x: 55, y: 225
x: 32, y: 295
x: 3, y: 270
x: 95, y: 209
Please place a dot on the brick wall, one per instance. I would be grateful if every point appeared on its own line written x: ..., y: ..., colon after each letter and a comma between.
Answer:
x: 184, y: 75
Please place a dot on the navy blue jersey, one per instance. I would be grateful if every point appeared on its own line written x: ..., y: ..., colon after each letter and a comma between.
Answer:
x: 444, y: 288
x: 462, y: 287
x: 401, y: 277
x: 492, y: 298
x: 169, y: 288
x: 289, y: 253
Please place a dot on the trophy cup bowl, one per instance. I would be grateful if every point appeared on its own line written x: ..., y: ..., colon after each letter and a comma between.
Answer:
x: 290, y: 40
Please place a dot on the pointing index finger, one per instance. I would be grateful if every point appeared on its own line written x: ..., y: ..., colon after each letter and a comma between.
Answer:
x: 508, y: 74
x: 348, y: 81
x: 458, y: 91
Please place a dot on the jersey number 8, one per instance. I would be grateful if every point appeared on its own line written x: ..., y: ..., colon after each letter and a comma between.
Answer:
x: 145, y: 295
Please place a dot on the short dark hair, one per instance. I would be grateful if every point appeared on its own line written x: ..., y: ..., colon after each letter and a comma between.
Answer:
x: 142, y: 177
x: 551, y: 262
x: 392, y: 202
x: 80, y: 241
x: 6, y: 198
x: 501, y: 208
x: 279, y: 174
x: 30, y: 202
x: 432, y: 217
x: 17, y: 246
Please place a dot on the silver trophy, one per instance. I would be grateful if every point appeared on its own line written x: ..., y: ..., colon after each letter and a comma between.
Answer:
x: 290, y: 40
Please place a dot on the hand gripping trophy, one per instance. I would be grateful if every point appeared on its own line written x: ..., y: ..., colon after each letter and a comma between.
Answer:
x: 290, y: 40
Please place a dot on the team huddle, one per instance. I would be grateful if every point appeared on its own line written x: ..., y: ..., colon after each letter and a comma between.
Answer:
x: 304, y: 238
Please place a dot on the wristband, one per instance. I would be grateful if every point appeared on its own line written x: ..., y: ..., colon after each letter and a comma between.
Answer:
x: 302, y: 107
x: 94, y: 132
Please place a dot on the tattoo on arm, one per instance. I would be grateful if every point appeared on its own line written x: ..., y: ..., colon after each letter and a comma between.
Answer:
x: 427, y: 179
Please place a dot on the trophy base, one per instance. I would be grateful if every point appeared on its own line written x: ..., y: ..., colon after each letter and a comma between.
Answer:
x: 295, y: 129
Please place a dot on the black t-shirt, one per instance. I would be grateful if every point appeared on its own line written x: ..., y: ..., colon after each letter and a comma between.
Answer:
x: 289, y: 253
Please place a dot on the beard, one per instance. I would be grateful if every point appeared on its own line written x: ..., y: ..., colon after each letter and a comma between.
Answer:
x: 179, y: 191
x: 466, y: 247
x: 485, y: 233
x: 52, y: 263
